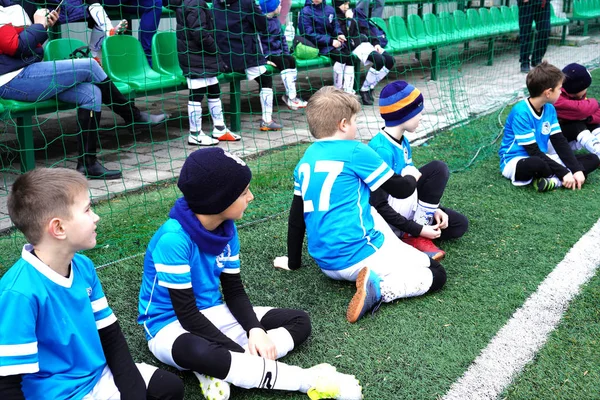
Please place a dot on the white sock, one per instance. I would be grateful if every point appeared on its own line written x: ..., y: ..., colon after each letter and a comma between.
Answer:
x: 596, y: 132
x: 266, y: 100
x: 96, y: 40
x: 248, y: 371
x: 338, y: 74
x: 410, y: 282
x: 288, y: 76
x: 349, y: 79
x: 424, y: 213
x: 195, y: 116
x: 589, y: 141
x: 284, y: 343
x: 382, y: 73
x: 370, y: 80
x: 556, y: 180
x: 100, y: 17
x: 216, y: 111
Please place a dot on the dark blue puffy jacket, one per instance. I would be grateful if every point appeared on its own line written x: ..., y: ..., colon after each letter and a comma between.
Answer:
x: 274, y: 43
x: 319, y: 25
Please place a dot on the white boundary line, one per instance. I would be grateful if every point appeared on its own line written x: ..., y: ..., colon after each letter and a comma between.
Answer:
x: 527, y: 331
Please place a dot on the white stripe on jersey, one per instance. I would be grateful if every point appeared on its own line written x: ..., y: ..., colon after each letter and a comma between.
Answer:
x: 99, y: 304
x: 382, y: 180
x: 104, y: 322
x: 525, y: 136
x: 376, y: 173
x: 172, y: 269
x: 231, y: 270
x: 19, y: 369
x: 168, y: 285
x: 233, y: 258
x: 18, y: 349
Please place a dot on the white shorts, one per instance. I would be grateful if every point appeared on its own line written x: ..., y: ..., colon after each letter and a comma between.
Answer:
x: 510, y: 168
x: 405, y: 207
x: 254, y: 72
x: 161, y: 345
x: 362, y: 52
x: 393, y: 256
x: 106, y: 389
x: 201, y: 82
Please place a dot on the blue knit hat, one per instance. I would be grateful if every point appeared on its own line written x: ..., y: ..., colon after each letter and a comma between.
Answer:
x: 577, y: 78
x: 268, y: 6
x: 212, y: 179
x: 399, y: 102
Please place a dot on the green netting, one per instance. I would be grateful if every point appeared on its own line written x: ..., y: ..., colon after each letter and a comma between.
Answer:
x: 463, y: 56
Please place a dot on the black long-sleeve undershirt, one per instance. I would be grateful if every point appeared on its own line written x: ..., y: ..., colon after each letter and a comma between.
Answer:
x: 379, y: 200
x: 237, y: 301
x: 10, y: 387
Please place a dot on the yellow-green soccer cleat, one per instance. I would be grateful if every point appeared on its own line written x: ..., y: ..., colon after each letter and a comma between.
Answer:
x: 213, y: 388
x: 330, y: 384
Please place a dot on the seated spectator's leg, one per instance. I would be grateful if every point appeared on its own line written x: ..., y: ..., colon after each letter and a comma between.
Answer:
x: 430, y: 188
x: 265, y: 83
x: 542, y: 28
x: 364, y: 5
x: 377, y: 11
x: 338, y: 67
x: 287, y: 328
x: 164, y: 385
x: 458, y: 224
x: 376, y: 73
x: 590, y: 162
x: 531, y: 168
x: 149, y: 11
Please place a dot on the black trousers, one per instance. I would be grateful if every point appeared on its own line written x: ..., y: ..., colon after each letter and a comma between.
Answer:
x: 283, y: 61
x: 571, y: 129
x: 534, y: 167
x: 529, y: 12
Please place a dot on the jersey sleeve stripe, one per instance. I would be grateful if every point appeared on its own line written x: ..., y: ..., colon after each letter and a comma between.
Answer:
x: 18, y: 349
x: 103, y: 323
x: 99, y: 304
x: 231, y: 270
x: 172, y: 269
x: 297, y: 193
x: 376, y: 173
x: 170, y: 285
x: 30, y: 368
x: 232, y: 258
x: 525, y: 136
x: 382, y: 180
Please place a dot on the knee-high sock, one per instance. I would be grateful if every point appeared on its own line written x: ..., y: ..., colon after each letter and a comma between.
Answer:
x: 266, y: 101
x: 370, y: 80
x: 589, y: 141
x: 338, y: 75
x: 410, y: 282
x: 195, y: 116
x: 100, y: 17
x: 349, y: 79
x: 424, y: 213
x: 96, y: 40
x: 216, y: 111
x: 288, y: 76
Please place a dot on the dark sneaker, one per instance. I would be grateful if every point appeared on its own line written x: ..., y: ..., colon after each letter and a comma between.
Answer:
x: 525, y: 68
x: 544, y: 185
x: 97, y: 171
x: 366, y: 98
x: 367, y: 296
x: 426, y: 246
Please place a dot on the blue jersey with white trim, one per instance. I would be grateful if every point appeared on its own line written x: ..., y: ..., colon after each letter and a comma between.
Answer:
x: 49, y: 327
x: 334, y: 178
x: 396, y: 155
x: 524, y: 127
x: 174, y: 261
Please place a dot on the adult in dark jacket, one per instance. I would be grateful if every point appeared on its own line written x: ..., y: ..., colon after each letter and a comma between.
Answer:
x: 529, y: 11
x: 201, y: 64
x: 366, y: 48
x: 319, y: 25
x: 25, y: 77
x: 238, y: 23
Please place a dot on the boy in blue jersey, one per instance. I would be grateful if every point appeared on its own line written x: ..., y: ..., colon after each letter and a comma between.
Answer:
x: 347, y: 238
x: 533, y: 147
x: 418, y: 219
x: 190, y: 325
x: 59, y: 338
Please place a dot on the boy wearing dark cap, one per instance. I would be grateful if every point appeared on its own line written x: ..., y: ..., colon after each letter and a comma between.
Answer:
x: 578, y: 115
x: 418, y: 219
x: 191, y: 324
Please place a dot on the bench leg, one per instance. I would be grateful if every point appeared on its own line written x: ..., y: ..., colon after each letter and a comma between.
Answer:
x: 434, y: 64
x: 235, y: 86
x: 25, y: 139
x: 491, y: 52
x: 563, y: 38
x: 585, y: 27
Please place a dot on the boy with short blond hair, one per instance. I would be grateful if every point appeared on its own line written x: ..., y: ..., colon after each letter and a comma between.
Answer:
x: 60, y: 338
x: 533, y: 147
x: 347, y: 238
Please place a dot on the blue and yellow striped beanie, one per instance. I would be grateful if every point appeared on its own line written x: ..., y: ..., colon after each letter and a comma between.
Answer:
x: 399, y: 101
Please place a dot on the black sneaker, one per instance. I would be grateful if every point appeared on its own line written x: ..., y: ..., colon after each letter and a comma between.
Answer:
x: 544, y: 184
x: 525, y: 68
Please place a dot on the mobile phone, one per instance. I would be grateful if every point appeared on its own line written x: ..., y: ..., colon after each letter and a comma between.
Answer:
x: 57, y: 7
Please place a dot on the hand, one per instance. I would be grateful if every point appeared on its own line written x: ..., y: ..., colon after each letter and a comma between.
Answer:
x: 412, y: 171
x: 281, y: 262
x: 379, y: 49
x: 431, y: 231
x: 579, y: 179
x: 349, y: 13
x: 568, y: 181
x: 271, y: 63
x: 260, y: 344
x: 52, y: 17
x: 341, y: 38
x: 336, y: 43
x: 441, y: 218
x: 39, y: 17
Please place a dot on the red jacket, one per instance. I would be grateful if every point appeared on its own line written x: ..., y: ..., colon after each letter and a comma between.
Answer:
x: 570, y: 109
x: 20, y: 47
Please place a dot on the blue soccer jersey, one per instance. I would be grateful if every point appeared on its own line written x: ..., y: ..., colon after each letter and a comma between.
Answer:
x: 174, y: 261
x: 49, y: 327
x: 524, y: 127
x: 396, y: 155
x: 334, y: 178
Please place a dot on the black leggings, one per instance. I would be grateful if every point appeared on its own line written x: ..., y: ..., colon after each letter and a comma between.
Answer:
x: 572, y: 129
x: 283, y: 61
x: 343, y: 57
x: 534, y: 167
x: 164, y: 385
x: 212, y: 92
x: 212, y: 359
x: 381, y: 60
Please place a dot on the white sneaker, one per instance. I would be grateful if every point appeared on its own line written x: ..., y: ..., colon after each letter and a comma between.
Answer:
x: 295, y: 103
x: 213, y: 388
x: 330, y: 384
x: 201, y: 139
x: 225, y: 135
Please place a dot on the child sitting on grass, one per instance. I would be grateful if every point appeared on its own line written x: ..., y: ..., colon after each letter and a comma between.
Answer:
x: 191, y: 324
x: 419, y: 218
x: 533, y: 147
x: 578, y: 115
x: 59, y: 338
x: 347, y: 238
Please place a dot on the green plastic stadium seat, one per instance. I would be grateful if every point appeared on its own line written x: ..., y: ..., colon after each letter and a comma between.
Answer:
x: 462, y: 26
x: 477, y: 25
x: 509, y: 18
x: 416, y: 29
x: 164, y: 55
x: 393, y: 46
x: 503, y: 26
x: 433, y: 29
x: 399, y: 34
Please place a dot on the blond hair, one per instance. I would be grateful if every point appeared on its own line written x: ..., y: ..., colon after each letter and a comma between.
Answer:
x: 327, y: 108
x: 40, y: 195
x: 542, y: 77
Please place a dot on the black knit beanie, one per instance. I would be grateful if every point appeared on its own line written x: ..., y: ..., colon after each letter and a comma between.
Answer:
x: 577, y: 78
